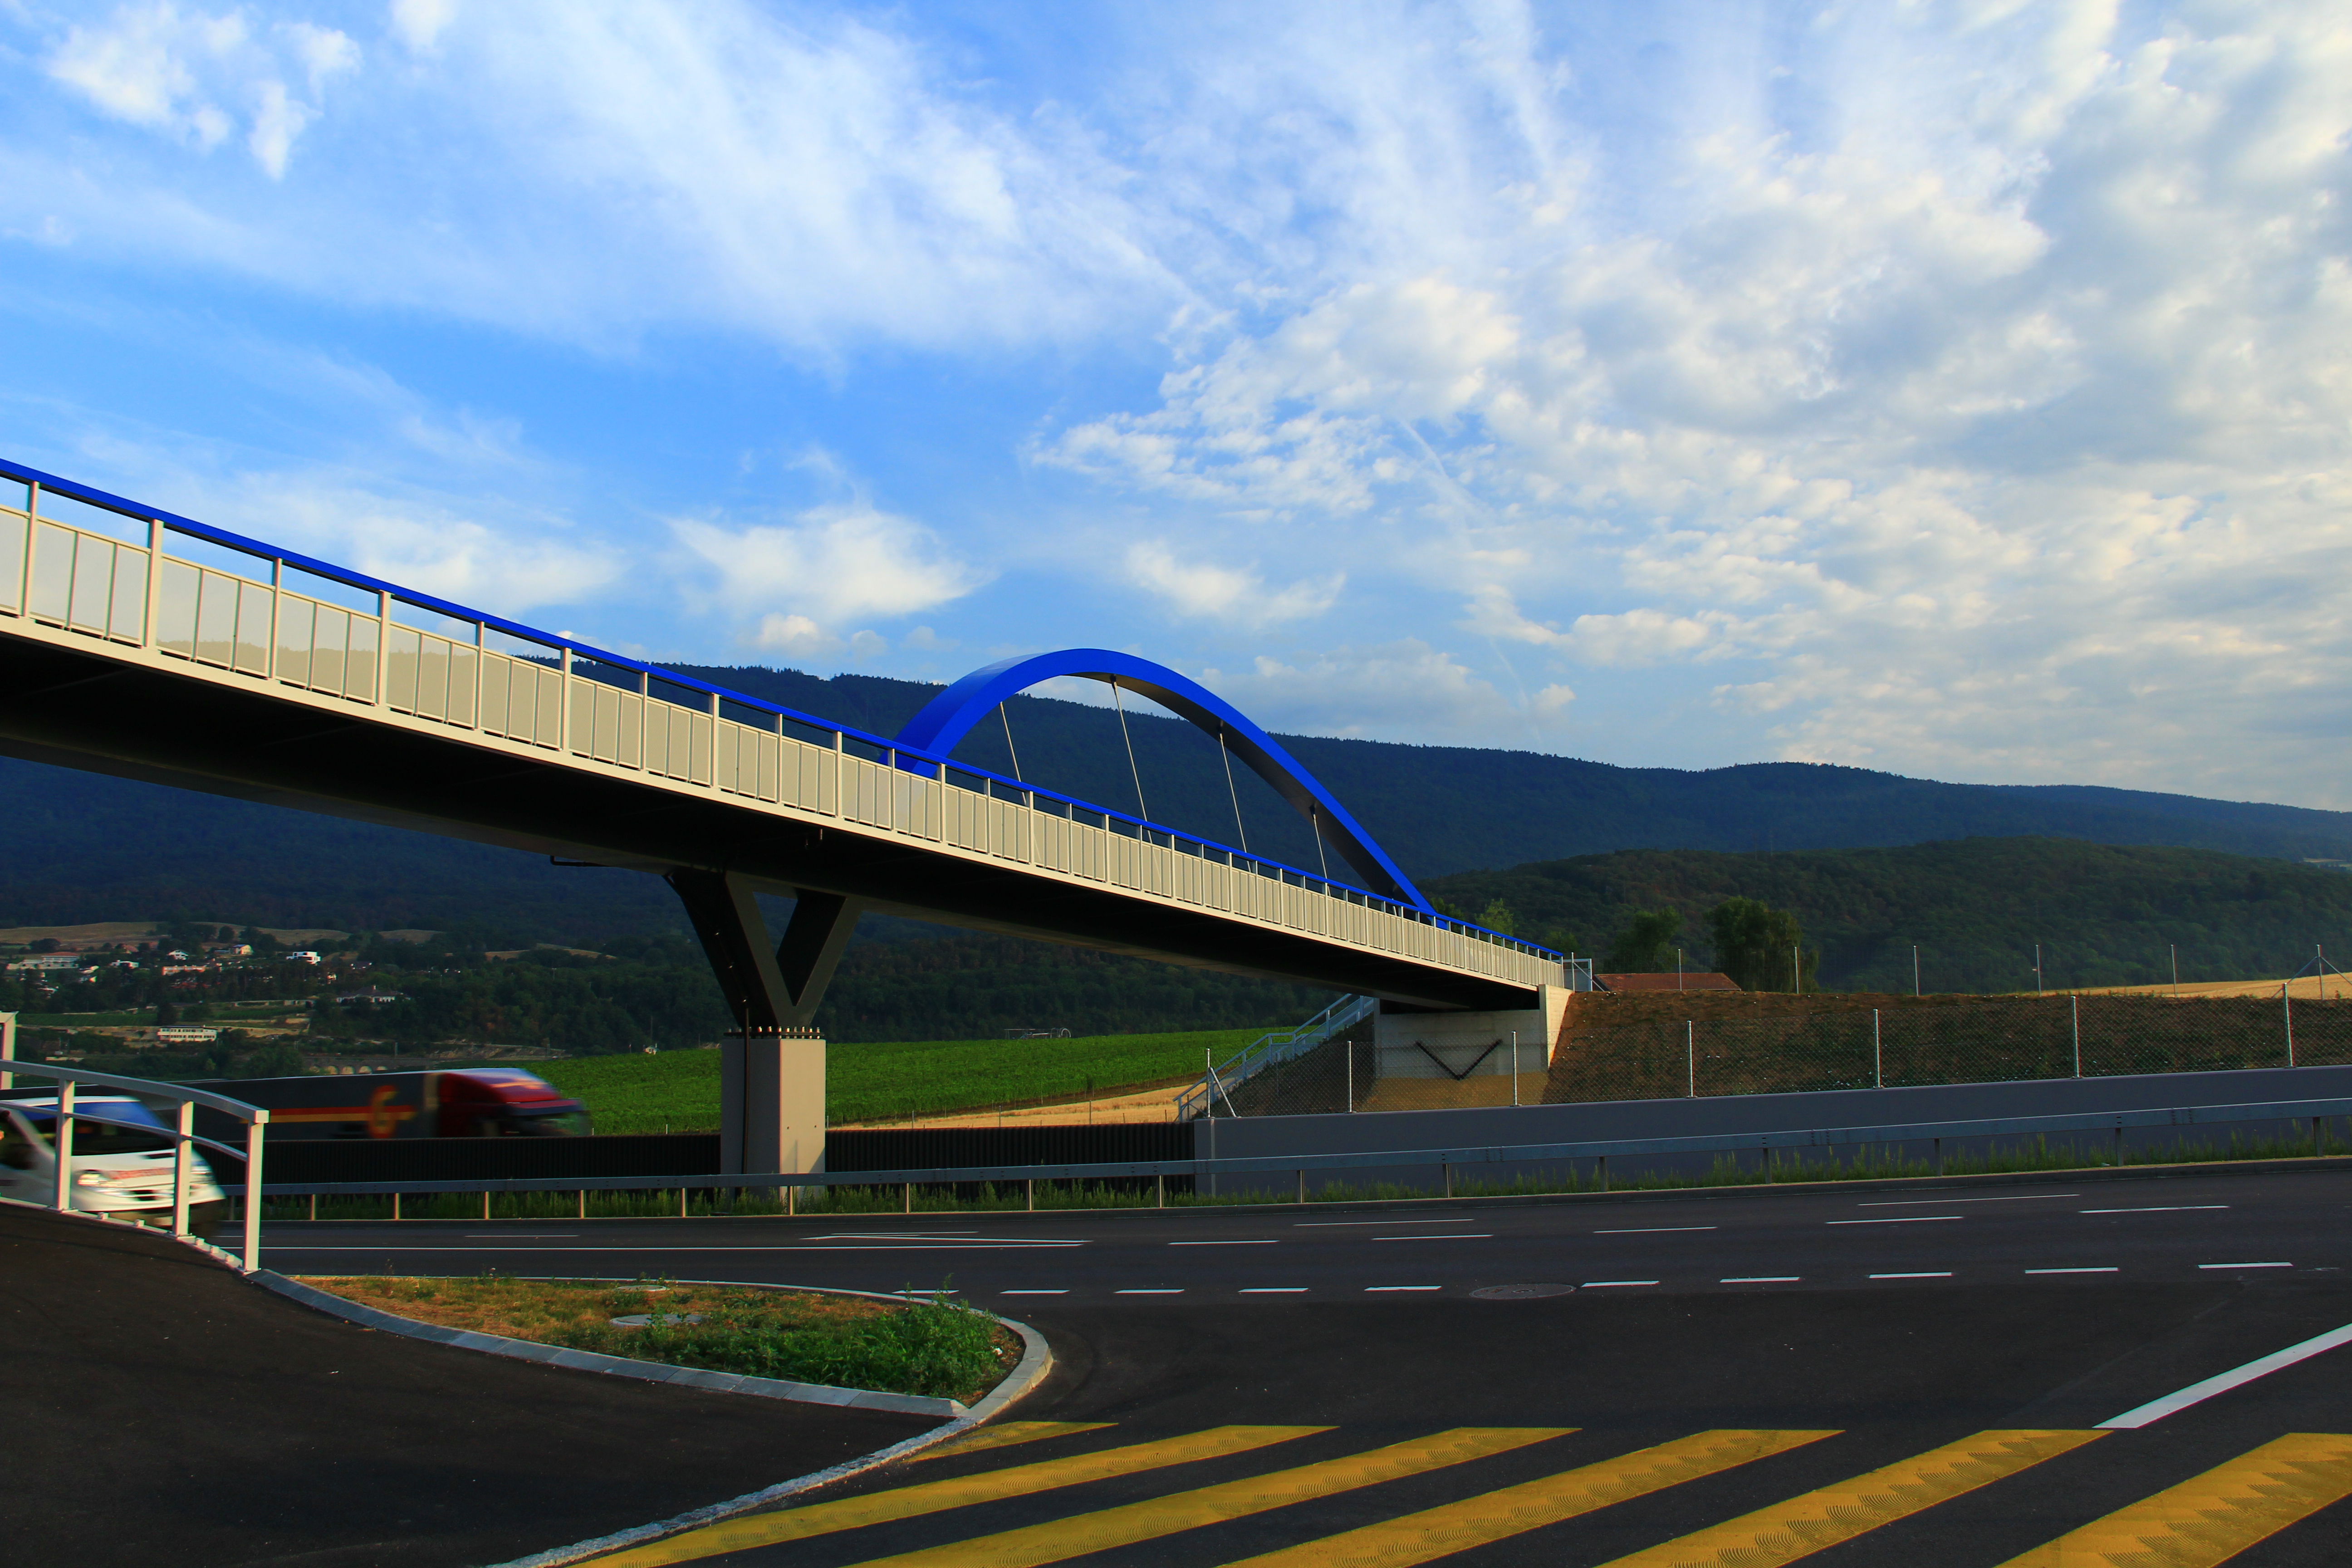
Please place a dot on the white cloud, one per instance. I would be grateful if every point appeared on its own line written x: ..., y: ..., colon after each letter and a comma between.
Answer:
x: 419, y: 23
x: 794, y: 636
x: 1234, y: 594
x: 1401, y: 689
x: 829, y: 564
x: 188, y: 74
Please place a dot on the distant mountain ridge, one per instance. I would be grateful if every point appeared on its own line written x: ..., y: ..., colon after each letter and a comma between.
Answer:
x: 79, y: 847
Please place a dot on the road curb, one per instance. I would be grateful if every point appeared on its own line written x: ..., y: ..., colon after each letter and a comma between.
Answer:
x: 1036, y: 1361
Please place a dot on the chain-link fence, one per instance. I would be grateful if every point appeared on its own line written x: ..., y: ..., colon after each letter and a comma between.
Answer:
x: 1792, y: 1046
x: 1971, y: 1040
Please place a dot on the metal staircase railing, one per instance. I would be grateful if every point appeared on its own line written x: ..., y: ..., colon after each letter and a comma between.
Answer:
x: 1275, y: 1046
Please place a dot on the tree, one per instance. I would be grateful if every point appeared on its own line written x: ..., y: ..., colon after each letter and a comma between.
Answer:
x: 1753, y: 943
x: 1497, y: 915
x: 1646, y: 943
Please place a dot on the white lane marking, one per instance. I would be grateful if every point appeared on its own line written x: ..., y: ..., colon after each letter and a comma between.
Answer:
x: 1177, y: 1292
x: 1605, y: 1284
x: 1654, y: 1229
x: 1275, y: 1291
x: 1450, y: 1235
x: 1370, y: 1287
x: 915, y: 1236
x: 1761, y: 1279
x: 2158, y: 1208
x: 2245, y: 1266
x: 1033, y: 1293
x: 2109, y: 1271
x: 1330, y: 1223
x: 2158, y: 1409
x: 1938, y: 1202
x: 1906, y: 1219
x: 1267, y: 1242
x: 1929, y: 1274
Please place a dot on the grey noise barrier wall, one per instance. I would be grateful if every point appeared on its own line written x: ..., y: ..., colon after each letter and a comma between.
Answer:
x: 1645, y: 1119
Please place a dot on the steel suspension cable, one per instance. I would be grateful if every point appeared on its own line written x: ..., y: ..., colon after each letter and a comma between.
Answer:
x: 1008, y: 743
x: 1141, y: 810
x: 1226, y: 752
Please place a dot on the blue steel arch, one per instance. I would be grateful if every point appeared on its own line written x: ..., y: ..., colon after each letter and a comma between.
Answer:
x: 947, y: 717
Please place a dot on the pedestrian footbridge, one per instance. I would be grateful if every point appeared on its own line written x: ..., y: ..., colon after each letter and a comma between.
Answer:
x: 142, y: 643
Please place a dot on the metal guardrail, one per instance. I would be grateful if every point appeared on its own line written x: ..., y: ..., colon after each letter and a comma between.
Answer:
x: 1448, y: 1159
x: 182, y: 1135
x: 1273, y: 1046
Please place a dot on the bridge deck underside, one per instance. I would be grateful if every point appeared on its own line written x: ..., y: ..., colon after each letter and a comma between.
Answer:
x: 89, y: 707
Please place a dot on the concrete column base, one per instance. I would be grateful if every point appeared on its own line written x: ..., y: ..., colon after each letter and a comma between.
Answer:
x: 772, y: 1102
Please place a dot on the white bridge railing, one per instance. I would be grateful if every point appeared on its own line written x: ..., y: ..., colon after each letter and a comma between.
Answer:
x: 76, y: 564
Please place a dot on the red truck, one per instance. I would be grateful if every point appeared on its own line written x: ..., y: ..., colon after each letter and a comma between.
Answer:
x: 464, y: 1102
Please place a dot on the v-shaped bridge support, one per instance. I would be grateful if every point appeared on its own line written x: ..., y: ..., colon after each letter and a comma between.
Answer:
x: 766, y: 987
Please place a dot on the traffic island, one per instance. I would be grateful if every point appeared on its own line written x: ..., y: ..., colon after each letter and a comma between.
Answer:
x: 921, y: 1356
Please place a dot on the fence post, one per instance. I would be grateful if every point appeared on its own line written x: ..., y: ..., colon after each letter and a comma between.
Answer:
x: 1032, y: 1184
x: 1159, y: 1191
x: 1302, y: 1187
x: 1690, y: 1057
x: 1447, y: 1171
x: 314, y: 1207
x: 2075, y: 1014
x: 486, y: 1203
x: 1515, y: 1067
x: 2119, y: 1144
x: 1878, y: 1054
x: 395, y: 1205
x: 583, y: 1203
x: 64, y: 1141
x: 2287, y: 1002
x: 907, y: 1197
x: 253, y: 1187
x: 1939, y: 1157
x: 183, y: 1154
x: 791, y: 1200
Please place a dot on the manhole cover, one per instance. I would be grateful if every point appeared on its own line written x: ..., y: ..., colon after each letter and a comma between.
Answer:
x: 642, y: 1319
x: 1520, y: 1292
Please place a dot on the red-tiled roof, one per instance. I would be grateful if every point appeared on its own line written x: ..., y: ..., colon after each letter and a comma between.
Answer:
x: 1690, y: 980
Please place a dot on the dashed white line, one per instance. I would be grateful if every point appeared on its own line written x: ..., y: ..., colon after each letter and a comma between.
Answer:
x: 1463, y: 1235
x: 1033, y: 1293
x: 1275, y: 1291
x: 2108, y: 1270
x: 1365, y: 1224
x: 1941, y: 1202
x: 1265, y: 1241
x: 1761, y: 1279
x: 1372, y: 1287
x: 1924, y: 1274
x: 1174, y: 1292
x: 2158, y: 1208
x: 2245, y: 1266
x: 1904, y: 1219
x: 1605, y: 1284
x: 1654, y: 1229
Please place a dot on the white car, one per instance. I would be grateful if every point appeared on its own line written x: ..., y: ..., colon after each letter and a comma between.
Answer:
x: 121, y: 1160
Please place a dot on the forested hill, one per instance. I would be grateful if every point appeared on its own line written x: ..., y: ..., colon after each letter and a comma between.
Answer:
x: 76, y: 848
x: 2103, y: 915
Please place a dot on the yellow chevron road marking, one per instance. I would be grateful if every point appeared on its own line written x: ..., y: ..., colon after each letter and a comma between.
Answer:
x: 2211, y: 1518
x: 1063, y: 1538
x: 1514, y: 1510
x: 1009, y: 1435
x: 1804, y: 1525
x: 960, y: 1491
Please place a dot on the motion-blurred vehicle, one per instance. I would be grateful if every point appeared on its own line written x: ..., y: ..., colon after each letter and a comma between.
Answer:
x: 463, y: 1102
x: 121, y: 1159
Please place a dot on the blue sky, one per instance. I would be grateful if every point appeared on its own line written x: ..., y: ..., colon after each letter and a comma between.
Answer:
x: 1959, y: 389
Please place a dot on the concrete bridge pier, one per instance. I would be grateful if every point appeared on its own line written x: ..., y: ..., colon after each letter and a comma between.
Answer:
x: 772, y: 1067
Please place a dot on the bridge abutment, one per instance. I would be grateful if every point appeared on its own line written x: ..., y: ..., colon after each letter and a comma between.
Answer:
x: 1452, y: 1058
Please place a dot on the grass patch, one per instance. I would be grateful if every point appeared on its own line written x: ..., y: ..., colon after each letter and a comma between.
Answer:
x: 938, y: 1347
x: 678, y: 1092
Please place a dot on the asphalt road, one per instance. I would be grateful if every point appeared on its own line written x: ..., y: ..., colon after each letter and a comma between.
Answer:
x: 2181, y: 1229
x: 1739, y: 1363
